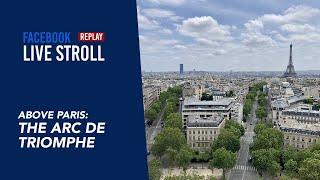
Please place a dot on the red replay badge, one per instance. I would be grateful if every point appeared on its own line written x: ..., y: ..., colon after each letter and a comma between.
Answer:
x: 91, y: 36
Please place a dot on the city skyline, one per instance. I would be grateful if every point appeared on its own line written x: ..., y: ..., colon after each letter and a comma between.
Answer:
x: 229, y: 35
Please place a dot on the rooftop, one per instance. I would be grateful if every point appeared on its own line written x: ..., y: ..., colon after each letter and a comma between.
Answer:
x: 192, y: 101
x: 197, y: 121
x: 302, y: 128
x: 280, y: 103
x: 297, y: 111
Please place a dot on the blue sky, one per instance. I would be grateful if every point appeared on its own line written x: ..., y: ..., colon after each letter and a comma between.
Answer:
x: 224, y: 35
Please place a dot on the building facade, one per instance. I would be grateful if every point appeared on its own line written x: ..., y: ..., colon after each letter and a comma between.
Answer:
x: 300, y: 126
x: 205, y: 109
x: 202, y: 131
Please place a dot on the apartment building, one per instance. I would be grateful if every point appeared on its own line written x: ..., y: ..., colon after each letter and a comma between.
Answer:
x: 301, y: 126
x: 205, y: 109
x: 150, y: 94
x: 237, y: 112
x: 202, y: 131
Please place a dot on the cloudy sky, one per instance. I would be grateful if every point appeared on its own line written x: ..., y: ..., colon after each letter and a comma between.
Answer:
x: 224, y: 35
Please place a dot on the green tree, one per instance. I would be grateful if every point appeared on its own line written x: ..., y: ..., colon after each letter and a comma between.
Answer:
x: 163, y: 98
x: 184, y: 157
x: 233, y: 124
x: 261, y: 112
x: 151, y: 114
x: 310, y: 169
x: 170, y: 108
x: 308, y: 101
x: 268, y: 138
x: 274, y: 168
x: 315, y: 147
x: 302, y: 155
x: 247, y: 107
x: 262, y: 101
x: 259, y: 128
x: 174, y: 120
x: 156, y: 106
x: 266, y: 160
x: 222, y: 159
x: 291, y: 167
x: 168, y: 138
x: 154, y: 169
x: 172, y: 154
x: 289, y: 153
x: 228, y: 140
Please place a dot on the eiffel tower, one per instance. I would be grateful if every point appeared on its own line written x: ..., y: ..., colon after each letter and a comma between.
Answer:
x: 290, y: 72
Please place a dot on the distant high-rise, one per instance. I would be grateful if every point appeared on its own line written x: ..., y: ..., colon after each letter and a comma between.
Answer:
x: 290, y: 72
x: 181, y: 68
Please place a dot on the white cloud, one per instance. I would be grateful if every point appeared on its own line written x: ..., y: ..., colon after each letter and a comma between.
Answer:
x: 297, y: 23
x: 254, y: 25
x: 205, y: 28
x: 299, y: 13
x: 161, y: 13
x: 257, y: 40
x: 297, y: 28
x: 146, y: 23
x: 179, y: 46
x: 201, y: 42
x: 165, y: 31
x: 168, y: 2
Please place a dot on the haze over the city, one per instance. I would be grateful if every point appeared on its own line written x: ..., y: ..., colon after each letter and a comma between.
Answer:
x: 228, y: 35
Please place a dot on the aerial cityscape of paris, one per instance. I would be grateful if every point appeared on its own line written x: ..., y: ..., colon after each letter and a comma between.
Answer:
x: 231, y: 89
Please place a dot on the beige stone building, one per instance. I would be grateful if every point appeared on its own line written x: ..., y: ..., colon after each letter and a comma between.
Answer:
x: 202, y: 131
x: 300, y: 126
x: 150, y: 94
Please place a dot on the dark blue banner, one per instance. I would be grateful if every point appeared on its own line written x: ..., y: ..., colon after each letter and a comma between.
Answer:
x: 71, y: 99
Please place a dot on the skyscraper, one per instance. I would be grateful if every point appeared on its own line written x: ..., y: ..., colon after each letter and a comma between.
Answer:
x: 290, y: 72
x: 181, y: 68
